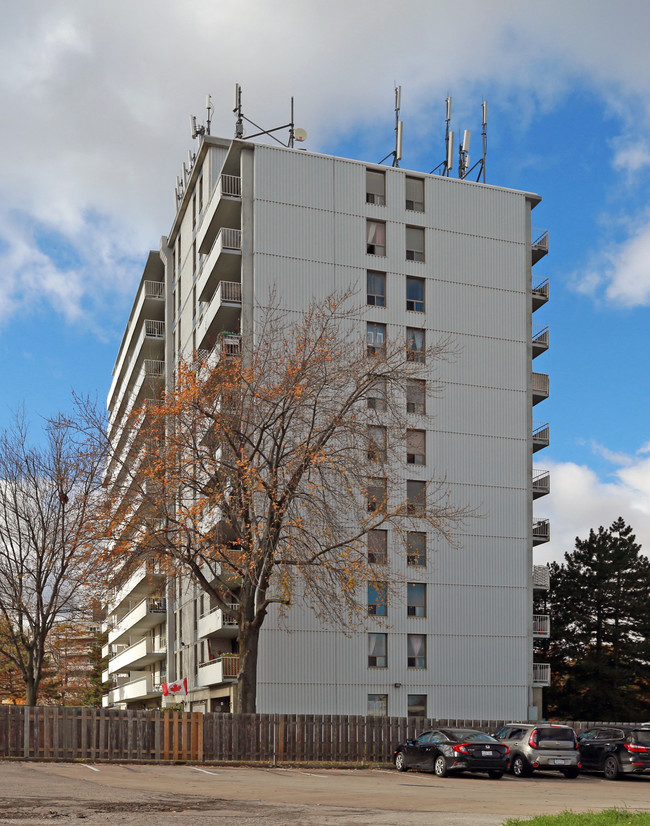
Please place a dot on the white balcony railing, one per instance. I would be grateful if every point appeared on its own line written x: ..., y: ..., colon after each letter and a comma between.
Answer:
x: 147, y: 613
x: 540, y: 338
x: 228, y: 291
x: 541, y: 434
x: 230, y: 186
x: 154, y: 329
x: 541, y: 483
x: 541, y: 531
x: 541, y: 625
x: 540, y: 385
x: 139, y: 688
x: 541, y: 674
x: 140, y: 653
x: 154, y: 289
x: 541, y: 577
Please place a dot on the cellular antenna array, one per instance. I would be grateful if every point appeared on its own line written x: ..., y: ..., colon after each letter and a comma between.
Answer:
x: 464, y: 169
x: 294, y: 134
x: 396, y: 154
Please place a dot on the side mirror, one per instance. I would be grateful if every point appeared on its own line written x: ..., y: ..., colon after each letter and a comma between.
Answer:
x: 410, y: 742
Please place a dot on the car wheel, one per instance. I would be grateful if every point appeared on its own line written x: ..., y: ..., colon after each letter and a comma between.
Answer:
x: 610, y: 768
x: 570, y: 773
x: 440, y: 766
x: 494, y: 774
x: 520, y: 767
x: 400, y: 762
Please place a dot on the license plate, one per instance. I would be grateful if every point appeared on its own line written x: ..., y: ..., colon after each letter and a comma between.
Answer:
x: 558, y: 762
x: 487, y: 754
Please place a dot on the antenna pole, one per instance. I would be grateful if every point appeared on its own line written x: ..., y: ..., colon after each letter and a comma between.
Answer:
x: 397, y: 154
x: 210, y: 110
x: 484, y: 134
x: 291, y: 127
x: 239, y: 123
x: 449, y: 151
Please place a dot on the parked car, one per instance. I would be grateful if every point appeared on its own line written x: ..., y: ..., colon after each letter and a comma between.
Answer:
x: 447, y: 750
x: 541, y: 746
x: 615, y: 750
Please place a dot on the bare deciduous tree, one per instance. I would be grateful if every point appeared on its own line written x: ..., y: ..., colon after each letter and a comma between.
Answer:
x: 259, y: 476
x: 47, y: 496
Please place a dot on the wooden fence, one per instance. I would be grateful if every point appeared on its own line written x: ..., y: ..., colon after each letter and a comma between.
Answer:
x: 64, y: 733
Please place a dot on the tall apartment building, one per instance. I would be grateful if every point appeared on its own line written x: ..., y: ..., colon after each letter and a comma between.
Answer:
x: 434, y: 256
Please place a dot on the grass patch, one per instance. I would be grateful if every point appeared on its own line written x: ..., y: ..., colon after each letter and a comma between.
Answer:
x: 610, y: 817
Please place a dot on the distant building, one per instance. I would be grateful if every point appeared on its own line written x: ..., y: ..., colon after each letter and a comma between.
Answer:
x: 434, y: 255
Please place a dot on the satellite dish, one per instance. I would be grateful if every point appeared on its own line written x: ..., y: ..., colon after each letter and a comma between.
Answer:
x: 300, y: 135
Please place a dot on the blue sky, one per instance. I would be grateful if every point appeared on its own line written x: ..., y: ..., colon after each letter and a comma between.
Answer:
x: 96, y: 102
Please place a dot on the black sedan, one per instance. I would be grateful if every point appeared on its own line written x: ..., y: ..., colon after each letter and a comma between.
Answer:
x: 615, y: 750
x: 447, y: 750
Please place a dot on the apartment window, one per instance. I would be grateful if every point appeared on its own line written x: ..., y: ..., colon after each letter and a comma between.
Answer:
x: 414, y: 244
x: 194, y: 259
x: 375, y: 338
x: 193, y: 211
x: 375, y: 238
x: 417, y: 705
x: 377, y: 599
x: 375, y: 187
x: 201, y: 194
x: 416, y: 548
x: 417, y: 650
x: 378, y: 547
x: 376, y: 398
x: 415, y: 343
x: 376, y: 288
x: 416, y: 497
x: 377, y: 443
x: 377, y: 650
x: 415, y: 194
x: 377, y: 705
x: 416, y: 599
x: 416, y: 447
x: 415, y: 294
x: 376, y: 495
x: 416, y: 396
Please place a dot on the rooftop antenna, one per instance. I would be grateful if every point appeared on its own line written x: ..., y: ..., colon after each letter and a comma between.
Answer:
x: 445, y: 166
x: 197, y: 129
x: 294, y: 134
x: 399, y: 131
x: 480, y: 164
x: 463, y: 155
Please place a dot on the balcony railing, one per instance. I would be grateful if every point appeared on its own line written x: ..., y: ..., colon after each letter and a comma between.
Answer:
x: 154, y: 289
x: 541, y: 674
x: 541, y: 288
x: 541, y: 435
x: 154, y: 329
x: 540, y: 339
x: 218, y: 670
x: 231, y: 186
x: 538, y: 243
x: 229, y: 291
x: 541, y: 626
x: 541, y: 531
x: 541, y: 577
x: 541, y: 483
x: 540, y: 387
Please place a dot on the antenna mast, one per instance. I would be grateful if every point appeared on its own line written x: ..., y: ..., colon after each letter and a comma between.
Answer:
x: 399, y: 131
x: 294, y: 134
x: 464, y: 170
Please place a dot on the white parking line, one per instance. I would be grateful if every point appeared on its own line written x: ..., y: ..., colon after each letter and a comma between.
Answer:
x: 204, y: 771
x: 298, y: 771
x: 92, y: 768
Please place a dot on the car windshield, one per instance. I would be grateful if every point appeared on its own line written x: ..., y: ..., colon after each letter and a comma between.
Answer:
x: 555, y: 733
x: 469, y: 736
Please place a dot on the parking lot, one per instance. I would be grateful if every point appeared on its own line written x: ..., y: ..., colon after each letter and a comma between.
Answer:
x: 38, y: 793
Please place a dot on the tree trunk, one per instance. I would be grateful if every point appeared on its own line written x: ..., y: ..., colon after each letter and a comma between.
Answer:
x: 31, y: 692
x: 246, y: 695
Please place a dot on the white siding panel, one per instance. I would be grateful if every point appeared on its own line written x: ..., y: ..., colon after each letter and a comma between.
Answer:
x: 295, y: 178
x: 454, y: 307
x: 465, y: 408
x: 495, y: 562
x: 294, y: 232
x: 477, y: 460
x: 470, y: 259
x: 484, y: 362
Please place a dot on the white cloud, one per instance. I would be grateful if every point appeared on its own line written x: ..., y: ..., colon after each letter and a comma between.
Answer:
x: 98, y: 96
x: 581, y: 500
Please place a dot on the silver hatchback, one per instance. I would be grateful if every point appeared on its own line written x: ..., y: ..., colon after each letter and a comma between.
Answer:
x: 541, y: 746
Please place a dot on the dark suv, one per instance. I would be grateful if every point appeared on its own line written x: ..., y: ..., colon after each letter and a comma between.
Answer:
x: 615, y: 750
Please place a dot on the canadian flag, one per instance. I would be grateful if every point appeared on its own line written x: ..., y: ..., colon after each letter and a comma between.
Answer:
x: 177, y: 688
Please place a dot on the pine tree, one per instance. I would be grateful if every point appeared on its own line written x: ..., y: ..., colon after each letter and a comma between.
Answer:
x: 600, y: 634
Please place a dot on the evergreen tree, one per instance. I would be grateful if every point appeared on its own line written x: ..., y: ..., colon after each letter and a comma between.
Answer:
x: 600, y: 633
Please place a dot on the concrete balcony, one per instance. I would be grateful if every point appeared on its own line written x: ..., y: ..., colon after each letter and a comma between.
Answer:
x: 148, y: 383
x: 540, y: 293
x: 222, y: 264
x: 223, y: 208
x: 145, y: 579
x: 540, y: 340
x: 136, y: 656
x: 216, y: 623
x: 137, y: 689
x: 148, y: 343
x: 540, y: 385
x: 541, y: 435
x: 541, y: 483
x: 220, y: 314
x: 541, y: 577
x: 541, y: 626
x: 541, y: 675
x: 538, y: 243
x: 541, y: 531
x: 147, y: 614
x: 219, y: 670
